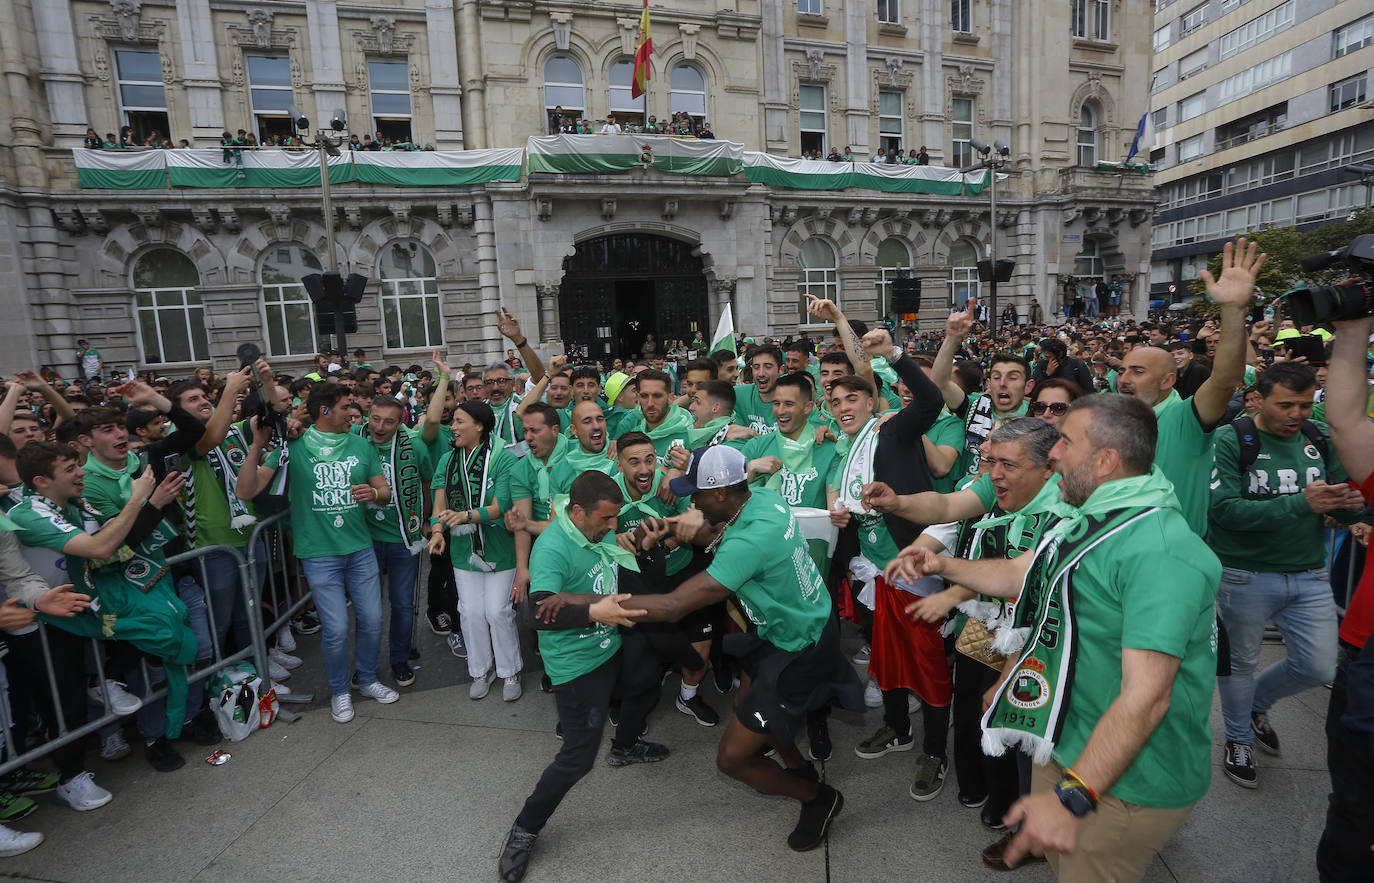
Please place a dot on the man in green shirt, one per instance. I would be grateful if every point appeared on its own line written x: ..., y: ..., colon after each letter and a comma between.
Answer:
x: 1113, y: 687
x: 791, y: 461
x: 531, y: 483
x: 331, y: 475
x: 983, y: 412
x: 753, y: 400
x: 90, y: 360
x: 664, y: 422
x: 590, y: 451
x: 576, y: 570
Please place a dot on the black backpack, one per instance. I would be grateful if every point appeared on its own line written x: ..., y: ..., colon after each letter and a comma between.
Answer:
x: 1248, y: 437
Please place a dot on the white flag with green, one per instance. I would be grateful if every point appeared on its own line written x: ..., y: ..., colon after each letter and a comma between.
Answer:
x: 724, y: 338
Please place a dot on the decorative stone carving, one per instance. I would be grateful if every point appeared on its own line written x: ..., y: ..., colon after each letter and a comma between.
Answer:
x: 415, y: 78
x: 353, y: 216
x: 894, y: 71
x: 259, y: 32
x: 629, y: 32
x: 297, y: 76
x: 543, y: 208
x: 102, y: 65
x: 1071, y: 214
x: 607, y: 209
x: 280, y: 216
x: 789, y: 214
x: 127, y: 12
x: 465, y: 214
x: 669, y: 209
x: 1008, y: 218
x: 69, y: 219
x: 689, y: 40
x: 384, y: 27
x: 150, y: 217
x: 445, y: 213
x: 823, y: 213
x: 1114, y: 216
x: 204, y: 218
x: 1139, y: 216
x: 97, y: 221
x: 725, y: 289
x: 562, y: 29
x: 260, y: 21
x: 400, y: 211
x: 727, y: 209
x: 230, y: 219
x: 815, y: 60
x: 127, y: 25
x: 855, y: 216
x: 382, y: 39
x: 236, y: 70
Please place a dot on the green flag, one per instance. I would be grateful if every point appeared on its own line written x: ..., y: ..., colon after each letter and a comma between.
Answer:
x: 724, y: 338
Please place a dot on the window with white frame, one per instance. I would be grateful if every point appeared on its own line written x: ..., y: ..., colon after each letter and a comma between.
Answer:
x: 142, y: 97
x: 411, y: 318
x: 1190, y: 148
x: 1192, y: 106
x: 961, y: 128
x: 810, y: 7
x: 890, y: 121
x: 286, y: 307
x: 1348, y: 92
x: 563, y: 88
x: 894, y: 260
x: 1159, y: 119
x: 1088, y: 261
x: 1162, y: 39
x: 1192, y: 64
x: 1192, y: 20
x: 390, y: 85
x: 1253, y: 79
x: 1087, y: 136
x: 890, y: 12
x: 171, y: 319
x: 1257, y: 29
x: 963, y: 272
x: 1091, y: 19
x: 269, y: 94
x: 812, y: 118
x: 688, y: 91
x: 819, y: 275
x: 1356, y: 35
x: 623, y: 104
x: 961, y: 16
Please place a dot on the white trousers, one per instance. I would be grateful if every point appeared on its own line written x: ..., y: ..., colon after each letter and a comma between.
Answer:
x: 488, y: 619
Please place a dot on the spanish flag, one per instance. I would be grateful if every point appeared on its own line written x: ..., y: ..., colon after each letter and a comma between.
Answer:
x: 640, y: 83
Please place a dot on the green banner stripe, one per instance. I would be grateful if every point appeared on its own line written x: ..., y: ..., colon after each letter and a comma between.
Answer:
x: 586, y: 163
x: 914, y: 185
x: 779, y: 178
x: 692, y: 165
x: 109, y: 179
x: 406, y: 177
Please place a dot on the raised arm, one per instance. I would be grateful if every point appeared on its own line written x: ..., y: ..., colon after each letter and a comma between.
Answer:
x: 1232, y: 291
x: 112, y: 534
x: 434, y: 414
x: 510, y: 327
x: 556, y: 365
x: 957, y: 327
x: 253, y: 476
x: 927, y: 507
x: 217, y: 427
x: 829, y: 311
x: 1347, y: 399
x: 59, y: 402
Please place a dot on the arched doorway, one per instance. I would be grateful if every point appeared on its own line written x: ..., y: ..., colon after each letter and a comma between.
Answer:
x: 617, y: 289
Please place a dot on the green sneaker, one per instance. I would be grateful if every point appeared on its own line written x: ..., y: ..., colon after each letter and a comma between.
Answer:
x: 930, y: 777
x: 883, y: 742
x: 14, y: 807
x: 28, y: 782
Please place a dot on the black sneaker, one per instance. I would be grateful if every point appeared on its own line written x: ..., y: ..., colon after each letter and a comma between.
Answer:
x: 308, y: 623
x: 163, y: 757
x: 723, y: 678
x: 403, y: 673
x: 816, y: 815
x: 26, y: 782
x: 515, y: 855
x: 991, y: 819
x: 613, y: 713
x: 930, y: 777
x: 640, y: 752
x: 558, y: 729
x: 698, y: 709
x: 972, y: 801
x: 1239, y: 763
x: 545, y: 684
x: 1265, y: 736
x: 201, y: 729
x: 818, y: 739
x: 441, y: 624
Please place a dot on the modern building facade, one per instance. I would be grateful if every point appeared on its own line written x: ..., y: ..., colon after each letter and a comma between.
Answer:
x: 177, y: 275
x: 1260, y: 107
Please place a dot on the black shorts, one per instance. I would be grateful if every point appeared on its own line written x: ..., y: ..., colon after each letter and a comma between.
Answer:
x: 786, y: 684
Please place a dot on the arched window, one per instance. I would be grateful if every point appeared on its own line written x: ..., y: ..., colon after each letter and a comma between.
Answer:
x: 563, y: 89
x: 1087, y: 137
x: 411, y: 318
x: 893, y: 260
x: 963, y: 272
x: 171, y: 320
x: 627, y: 110
x: 688, y: 91
x: 818, y: 274
x: 286, y: 307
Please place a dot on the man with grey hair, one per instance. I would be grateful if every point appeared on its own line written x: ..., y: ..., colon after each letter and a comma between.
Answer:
x: 502, y: 398
x: 1112, y: 687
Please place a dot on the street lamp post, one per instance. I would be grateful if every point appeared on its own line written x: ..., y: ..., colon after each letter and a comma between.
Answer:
x: 995, y: 158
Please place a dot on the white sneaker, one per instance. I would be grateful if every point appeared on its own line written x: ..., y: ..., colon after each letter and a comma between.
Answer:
x: 284, y: 659
x: 286, y: 642
x: 873, y: 695
x: 14, y: 842
x: 341, y: 708
x: 379, y: 691
x: 282, y: 689
x: 82, y: 793
x: 114, y: 747
x: 275, y: 670
x: 121, y: 700
x: 481, y: 686
x: 511, y: 690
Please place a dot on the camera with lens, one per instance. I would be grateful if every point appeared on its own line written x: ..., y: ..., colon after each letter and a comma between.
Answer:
x: 1352, y: 299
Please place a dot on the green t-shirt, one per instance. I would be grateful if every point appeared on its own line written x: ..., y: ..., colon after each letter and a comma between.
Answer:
x: 776, y: 582
x: 633, y: 512
x: 1261, y: 521
x: 1152, y: 586
x: 948, y: 431
x: 498, y: 544
x: 213, y: 516
x: 977, y: 427
x: 524, y: 480
x: 1183, y: 454
x: 381, y: 520
x: 323, y: 467
x: 805, y: 488
x: 43, y: 534
x: 752, y: 411
x: 442, y: 444
x: 558, y: 564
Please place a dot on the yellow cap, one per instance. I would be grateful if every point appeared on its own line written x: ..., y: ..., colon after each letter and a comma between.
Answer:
x: 615, y: 385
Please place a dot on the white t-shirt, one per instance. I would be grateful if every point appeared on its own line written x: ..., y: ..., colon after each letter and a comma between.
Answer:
x: 611, y: 129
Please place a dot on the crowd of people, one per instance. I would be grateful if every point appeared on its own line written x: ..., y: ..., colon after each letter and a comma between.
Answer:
x: 234, y: 143
x: 1053, y: 541
x: 681, y: 123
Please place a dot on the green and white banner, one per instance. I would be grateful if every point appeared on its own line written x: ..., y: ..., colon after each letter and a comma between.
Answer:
x: 121, y: 169
x: 253, y: 168
x: 601, y: 154
x: 806, y: 174
x: 436, y: 168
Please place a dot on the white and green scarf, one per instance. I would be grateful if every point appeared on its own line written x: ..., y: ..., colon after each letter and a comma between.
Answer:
x: 606, y: 548
x: 505, y: 426
x: 225, y: 460
x: 857, y: 469
x: 713, y: 433
x: 407, y: 504
x: 1030, y: 709
x: 796, y: 458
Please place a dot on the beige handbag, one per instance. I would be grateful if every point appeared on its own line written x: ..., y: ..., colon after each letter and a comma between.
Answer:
x: 975, y: 642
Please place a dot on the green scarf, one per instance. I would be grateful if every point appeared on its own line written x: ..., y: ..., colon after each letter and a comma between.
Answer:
x: 580, y: 461
x: 123, y: 477
x: 795, y: 457
x: 407, y: 504
x: 1031, y: 707
x: 677, y: 424
x: 644, y: 505
x: 713, y: 433
x: 606, y: 548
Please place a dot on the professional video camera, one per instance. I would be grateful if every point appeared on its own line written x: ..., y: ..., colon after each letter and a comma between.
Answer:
x: 1353, y: 299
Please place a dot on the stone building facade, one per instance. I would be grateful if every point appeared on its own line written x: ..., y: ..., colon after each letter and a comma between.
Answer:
x: 165, y: 277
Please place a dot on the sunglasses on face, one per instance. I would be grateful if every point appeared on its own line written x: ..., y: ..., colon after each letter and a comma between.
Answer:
x: 1058, y: 409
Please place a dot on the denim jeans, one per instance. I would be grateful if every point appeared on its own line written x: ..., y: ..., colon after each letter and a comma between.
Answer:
x: 334, y: 578
x: 402, y: 568
x: 222, y: 578
x: 1300, y: 604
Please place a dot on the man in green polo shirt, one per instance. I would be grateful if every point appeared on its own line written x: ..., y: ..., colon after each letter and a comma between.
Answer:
x: 790, y: 461
x: 1004, y: 398
x: 576, y: 569
x: 589, y: 453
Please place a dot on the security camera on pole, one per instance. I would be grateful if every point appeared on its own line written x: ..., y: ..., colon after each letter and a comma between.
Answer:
x: 992, y: 271
x: 334, y: 296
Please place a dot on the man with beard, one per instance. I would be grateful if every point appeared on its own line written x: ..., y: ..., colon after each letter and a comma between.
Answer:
x: 590, y: 452
x: 753, y: 400
x: 790, y: 461
x: 664, y: 422
x: 1113, y: 688
x: 531, y: 484
x: 1004, y: 399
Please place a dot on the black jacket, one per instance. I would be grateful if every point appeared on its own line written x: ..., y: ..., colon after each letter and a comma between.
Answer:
x: 900, y: 461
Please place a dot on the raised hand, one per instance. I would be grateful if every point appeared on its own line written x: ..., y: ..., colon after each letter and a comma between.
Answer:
x: 440, y: 365
x: 136, y: 392
x: 143, y: 486
x: 508, y: 325
x: 822, y: 308
x: 557, y: 363
x: 878, y: 342
x: 960, y: 324
x: 1240, y: 265
x: 167, y: 489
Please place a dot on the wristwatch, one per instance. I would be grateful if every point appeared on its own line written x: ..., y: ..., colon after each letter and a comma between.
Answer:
x: 1075, y: 797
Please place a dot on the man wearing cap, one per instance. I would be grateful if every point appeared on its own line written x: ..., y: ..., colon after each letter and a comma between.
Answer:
x: 793, y: 662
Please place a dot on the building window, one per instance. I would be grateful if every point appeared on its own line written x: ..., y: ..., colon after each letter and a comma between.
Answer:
x: 961, y: 126
x: 809, y: 7
x: 171, y: 320
x: 818, y: 275
x: 893, y: 261
x: 1190, y: 148
x: 1261, y: 27
x: 1087, y: 137
x: 563, y: 88
x: 890, y: 121
x: 390, y: 84
x: 1088, y: 262
x: 411, y: 318
x: 626, y: 109
x: 1091, y: 19
x: 269, y: 94
x: 890, y: 12
x: 289, y: 315
x: 963, y: 272
x: 142, y: 98
x: 1159, y: 119
x: 1252, y: 79
x: 1192, y: 20
x: 1192, y: 106
x: 1356, y: 35
x: 961, y: 16
x: 1162, y: 39
x: 688, y: 91
x: 1192, y: 64
x: 812, y: 118
x: 1348, y: 92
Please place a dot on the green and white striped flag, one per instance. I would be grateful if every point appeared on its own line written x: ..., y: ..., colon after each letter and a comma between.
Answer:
x: 600, y: 154
x: 121, y: 169
x: 724, y: 338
